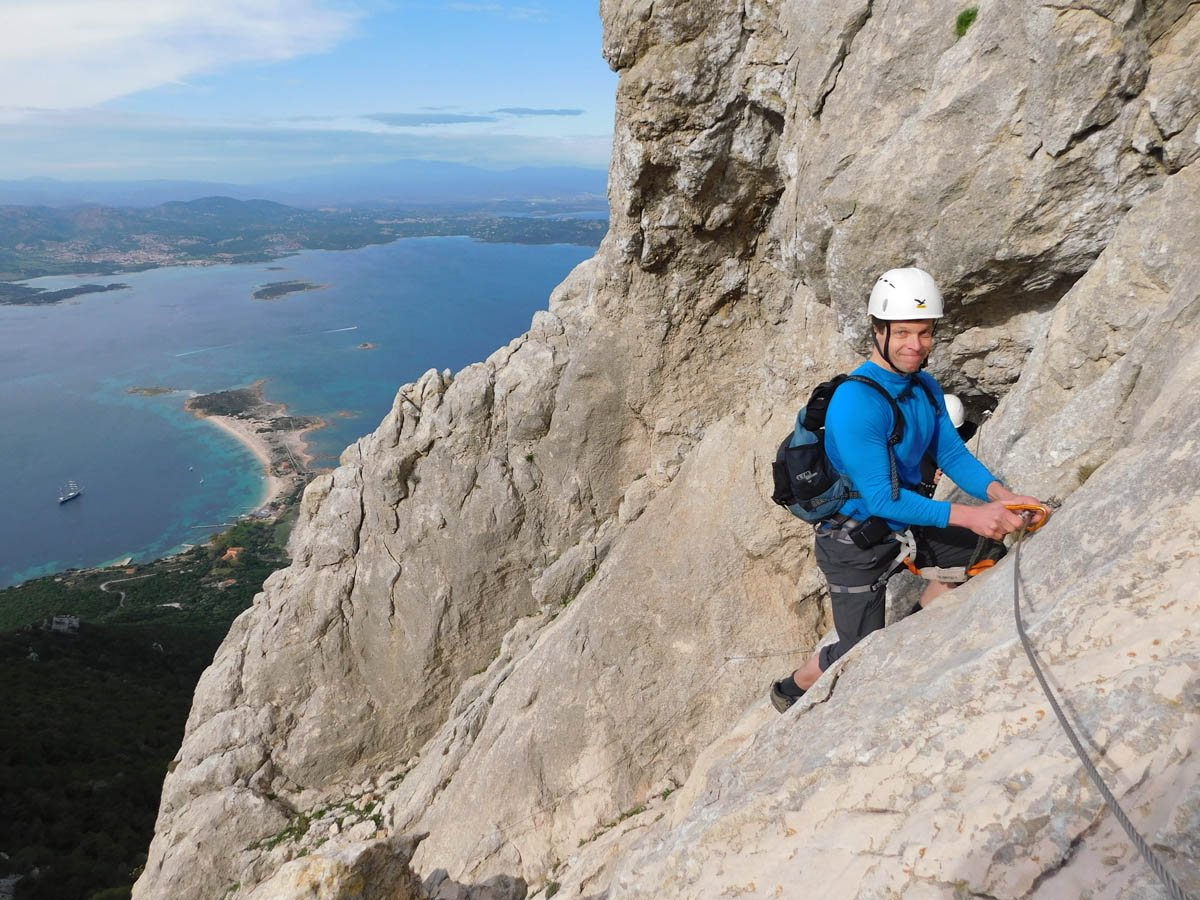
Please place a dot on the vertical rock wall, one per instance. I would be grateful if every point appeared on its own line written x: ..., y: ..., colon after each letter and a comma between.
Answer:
x: 596, y: 491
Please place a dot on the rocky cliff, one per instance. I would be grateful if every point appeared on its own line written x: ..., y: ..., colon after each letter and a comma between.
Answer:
x: 533, y: 615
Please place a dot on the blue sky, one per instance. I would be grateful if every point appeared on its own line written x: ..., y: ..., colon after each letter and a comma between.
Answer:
x: 251, y: 90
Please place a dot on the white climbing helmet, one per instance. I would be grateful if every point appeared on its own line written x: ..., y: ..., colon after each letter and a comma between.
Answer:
x: 954, y: 408
x: 903, y: 294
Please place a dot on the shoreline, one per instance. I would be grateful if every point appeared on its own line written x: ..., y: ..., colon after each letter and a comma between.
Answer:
x: 273, y: 486
x: 283, y: 452
x: 471, y: 230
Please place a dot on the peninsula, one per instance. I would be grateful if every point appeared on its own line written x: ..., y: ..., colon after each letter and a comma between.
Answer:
x: 268, y: 431
x: 24, y: 295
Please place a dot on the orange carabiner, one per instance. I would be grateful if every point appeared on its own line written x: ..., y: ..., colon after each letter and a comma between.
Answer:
x: 1025, y: 509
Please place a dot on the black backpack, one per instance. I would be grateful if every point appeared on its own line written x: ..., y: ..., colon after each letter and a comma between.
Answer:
x: 806, y: 483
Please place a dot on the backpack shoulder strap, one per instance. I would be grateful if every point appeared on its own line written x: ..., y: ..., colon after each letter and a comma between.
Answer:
x: 897, y: 416
x: 897, y: 428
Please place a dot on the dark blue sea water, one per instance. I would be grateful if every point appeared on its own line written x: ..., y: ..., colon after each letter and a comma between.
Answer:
x: 65, y: 412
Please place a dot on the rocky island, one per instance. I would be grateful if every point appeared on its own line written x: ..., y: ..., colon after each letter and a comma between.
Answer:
x: 274, y: 436
x: 278, y: 289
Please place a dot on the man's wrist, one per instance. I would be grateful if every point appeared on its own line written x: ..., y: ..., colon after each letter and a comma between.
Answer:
x: 997, y: 491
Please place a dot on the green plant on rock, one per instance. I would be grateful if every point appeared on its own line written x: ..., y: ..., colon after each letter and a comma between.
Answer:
x: 965, y: 20
x: 636, y: 811
x: 294, y: 832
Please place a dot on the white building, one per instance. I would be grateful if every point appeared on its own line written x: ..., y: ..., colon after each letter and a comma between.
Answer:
x: 64, y: 623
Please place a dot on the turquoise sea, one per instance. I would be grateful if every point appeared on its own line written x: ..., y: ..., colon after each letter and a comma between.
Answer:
x: 65, y: 371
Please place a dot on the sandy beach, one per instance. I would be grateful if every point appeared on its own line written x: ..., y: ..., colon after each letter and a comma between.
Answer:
x: 241, y: 430
x: 246, y: 415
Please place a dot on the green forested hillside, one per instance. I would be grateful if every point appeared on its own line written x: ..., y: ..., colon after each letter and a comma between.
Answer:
x: 90, y: 720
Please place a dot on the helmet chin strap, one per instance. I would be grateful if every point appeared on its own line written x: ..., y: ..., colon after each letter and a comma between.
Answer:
x: 887, y: 340
x: 883, y: 351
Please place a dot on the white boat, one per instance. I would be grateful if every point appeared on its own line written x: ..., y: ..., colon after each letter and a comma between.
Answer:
x: 69, y: 491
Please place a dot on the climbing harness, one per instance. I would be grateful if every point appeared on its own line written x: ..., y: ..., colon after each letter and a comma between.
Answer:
x: 1156, y: 864
x: 986, y: 554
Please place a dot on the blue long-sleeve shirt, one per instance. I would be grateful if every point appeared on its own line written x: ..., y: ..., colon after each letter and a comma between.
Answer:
x: 857, y: 426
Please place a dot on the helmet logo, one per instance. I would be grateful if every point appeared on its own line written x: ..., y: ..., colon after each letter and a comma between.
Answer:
x: 920, y: 304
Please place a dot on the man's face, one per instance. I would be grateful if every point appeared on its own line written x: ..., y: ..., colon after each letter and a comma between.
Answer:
x: 910, y: 344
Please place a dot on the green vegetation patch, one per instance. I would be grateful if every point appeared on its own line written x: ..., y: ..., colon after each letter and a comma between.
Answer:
x: 608, y: 826
x: 965, y: 20
x: 235, y: 402
x: 91, y: 719
x: 90, y: 722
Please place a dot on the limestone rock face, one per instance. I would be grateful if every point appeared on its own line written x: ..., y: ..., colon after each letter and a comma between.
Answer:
x: 929, y: 761
x: 539, y: 606
x: 376, y: 870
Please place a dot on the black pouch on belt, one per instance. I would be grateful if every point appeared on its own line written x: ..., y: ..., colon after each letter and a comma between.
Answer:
x: 870, y: 532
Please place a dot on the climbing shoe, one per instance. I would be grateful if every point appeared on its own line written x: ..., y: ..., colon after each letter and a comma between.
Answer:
x: 781, y: 701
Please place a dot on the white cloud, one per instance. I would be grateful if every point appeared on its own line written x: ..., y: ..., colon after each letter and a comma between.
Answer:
x: 60, y: 54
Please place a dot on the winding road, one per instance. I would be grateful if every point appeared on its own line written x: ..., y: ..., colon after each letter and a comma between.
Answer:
x: 121, y: 601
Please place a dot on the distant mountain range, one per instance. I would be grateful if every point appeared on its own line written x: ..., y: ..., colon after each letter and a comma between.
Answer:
x: 99, y: 239
x: 382, y: 185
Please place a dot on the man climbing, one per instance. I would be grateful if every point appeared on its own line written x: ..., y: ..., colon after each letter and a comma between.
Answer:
x: 858, y: 549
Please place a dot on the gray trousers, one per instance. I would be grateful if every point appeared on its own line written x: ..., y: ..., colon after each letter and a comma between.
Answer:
x: 857, y: 578
x: 857, y: 582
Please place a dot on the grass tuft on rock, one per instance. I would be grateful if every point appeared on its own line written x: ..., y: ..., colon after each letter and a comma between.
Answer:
x: 965, y: 20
